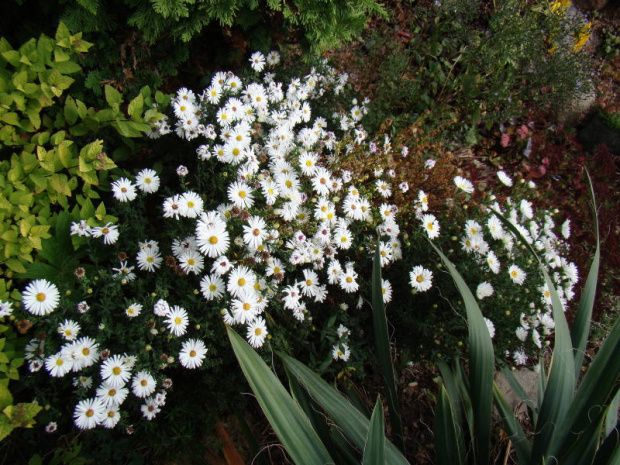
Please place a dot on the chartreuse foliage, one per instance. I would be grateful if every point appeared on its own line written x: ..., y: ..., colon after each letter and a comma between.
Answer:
x: 51, y: 158
x: 12, y: 415
x: 574, y: 423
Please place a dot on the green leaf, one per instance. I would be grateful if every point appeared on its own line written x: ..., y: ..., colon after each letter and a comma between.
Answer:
x: 113, y: 96
x: 10, y: 118
x: 67, y: 67
x: 597, y: 389
x: 70, y: 110
x: 520, y: 392
x: 482, y: 364
x: 611, y: 417
x: 382, y: 344
x: 15, y: 265
x: 100, y: 212
x: 581, y: 323
x: 517, y: 436
x: 351, y: 421
x: 285, y: 416
x: 6, y: 398
x: 449, y: 445
x: 374, y: 450
x: 5, y: 426
x: 135, y: 106
x: 130, y: 128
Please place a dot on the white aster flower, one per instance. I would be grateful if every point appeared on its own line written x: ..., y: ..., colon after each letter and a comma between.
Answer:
x: 115, y: 371
x: 177, y: 321
x: 109, y: 232
x: 40, y: 297
x: 463, y: 184
x: 257, y: 332
x: 257, y: 61
x: 421, y: 279
x: 133, y: 310
x: 69, y: 329
x: 123, y: 190
x: 143, y: 384
x: 192, y: 353
x: 517, y: 275
x: 88, y: 413
x: 431, y: 225
x: 484, y: 290
x: 149, y: 259
x: 504, y: 178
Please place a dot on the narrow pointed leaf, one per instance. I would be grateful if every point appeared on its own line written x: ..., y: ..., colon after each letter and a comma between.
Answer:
x: 452, y: 390
x: 384, y: 353
x: 517, y: 436
x: 285, y: 416
x: 374, y: 450
x: 520, y: 392
x: 482, y: 364
x: 351, y: 421
x: 611, y: 418
x: 581, y: 323
x: 542, y: 380
x: 609, y: 451
x: 449, y: 444
x: 597, y: 389
x: 315, y: 416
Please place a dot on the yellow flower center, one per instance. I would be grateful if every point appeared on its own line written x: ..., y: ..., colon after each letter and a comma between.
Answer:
x: 60, y: 362
x: 213, y: 240
x: 258, y: 331
x: 191, y: 262
x: 90, y: 412
x: 85, y: 351
x: 349, y: 279
x: 41, y: 297
x: 246, y: 306
x: 143, y: 382
x: 213, y: 288
x: 116, y: 371
x: 241, y: 282
x: 242, y: 194
x: 192, y: 353
x: 256, y: 232
x: 111, y: 414
x: 419, y: 279
x: 177, y: 320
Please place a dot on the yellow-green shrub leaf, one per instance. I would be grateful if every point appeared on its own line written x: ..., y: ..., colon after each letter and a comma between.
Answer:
x: 6, y: 398
x: 113, y: 96
x: 100, y: 212
x: 136, y: 105
x: 70, y: 110
x: 60, y: 183
x: 10, y: 118
x: 15, y: 265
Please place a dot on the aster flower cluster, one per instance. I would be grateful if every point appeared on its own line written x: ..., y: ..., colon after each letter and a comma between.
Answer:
x: 289, y: 229
x: 291, y: 218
